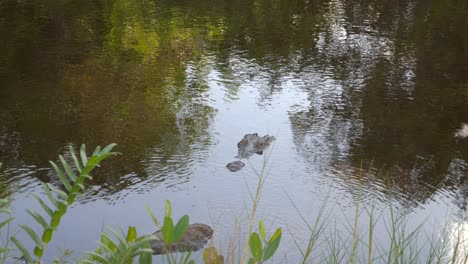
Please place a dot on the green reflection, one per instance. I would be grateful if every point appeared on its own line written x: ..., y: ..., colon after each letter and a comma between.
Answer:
x: 135, y: 72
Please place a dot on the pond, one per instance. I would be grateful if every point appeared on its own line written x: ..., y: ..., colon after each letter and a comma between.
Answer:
x: 363, y: 97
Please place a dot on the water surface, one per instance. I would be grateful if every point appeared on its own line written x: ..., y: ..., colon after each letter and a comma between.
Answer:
x: 361, y: 95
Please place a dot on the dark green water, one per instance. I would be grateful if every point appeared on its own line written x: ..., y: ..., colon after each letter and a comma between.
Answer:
x: 345, y: 86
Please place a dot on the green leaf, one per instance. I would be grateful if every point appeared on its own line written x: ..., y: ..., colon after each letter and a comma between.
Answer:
x: 32, y: 234
x: 5, y: 222
x: 68, y: 169
x: 122, y: 241
x: 262, y: 229
x: 256, y: 246
x: 272, y: 245
x: 61, y: 176
x: 146, y: 258
x: 75, y: 160
x: 168, y: 230
x: 49, y: 194
x: 168, y: 209
x: 56, y: 190
x: 181, y: 227
x: 105, y: 248
x: 108, y: 148
x: 97, y: 151
x: 131, y: 234
x: 106, y: 240
x: 5, y: 211
x: 44, y: 205
x: 23, y: 250
x: 38, y: 218
x: 97, y: 257
x: 84, y: 159
x: 155, y: 220
x: 251, y: 261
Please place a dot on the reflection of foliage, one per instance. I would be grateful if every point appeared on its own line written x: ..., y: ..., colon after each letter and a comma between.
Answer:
x: 410, y: 97
x: 134, y: 72
x: 118, y: 70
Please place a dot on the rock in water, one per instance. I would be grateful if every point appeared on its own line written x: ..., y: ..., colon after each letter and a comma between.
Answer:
x: 195, y: 238
x: 235, y: 165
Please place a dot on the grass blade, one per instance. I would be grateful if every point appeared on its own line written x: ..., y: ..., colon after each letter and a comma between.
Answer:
x: 61, y: 176
x: 38, y: 218
x: 22, y: 249
x: 56, y: 190
x: 44, y: 205
x: 75, y: 160
x: 84, y: 159
x: 5, y: 222
x: 49, y: 194
x: 32, y: 234
x: 68, y: 169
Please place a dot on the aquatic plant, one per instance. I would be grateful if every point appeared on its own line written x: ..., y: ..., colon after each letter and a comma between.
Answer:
x: 4, y: 245
x: 61, y: 200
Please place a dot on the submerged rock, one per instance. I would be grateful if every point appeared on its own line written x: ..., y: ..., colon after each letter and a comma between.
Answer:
x: 195, y: 238
x: 235, y: 165
x: 253, y: 144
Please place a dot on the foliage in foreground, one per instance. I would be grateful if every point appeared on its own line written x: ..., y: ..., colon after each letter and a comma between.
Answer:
x: 114, y: 247
x: 356, y: 246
